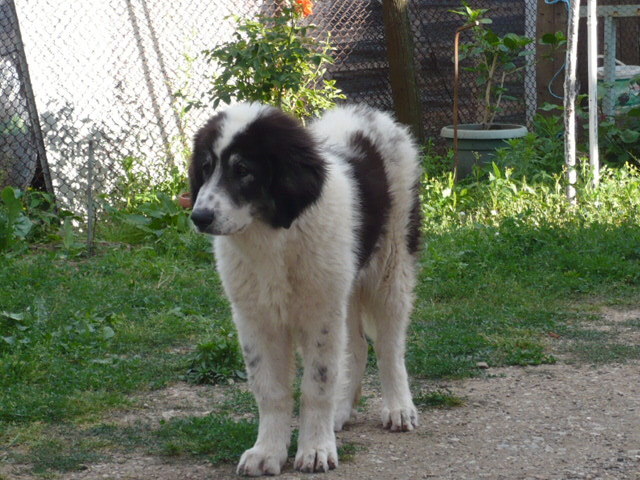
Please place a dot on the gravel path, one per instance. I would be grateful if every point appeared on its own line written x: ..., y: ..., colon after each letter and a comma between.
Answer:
x: 550, y: 422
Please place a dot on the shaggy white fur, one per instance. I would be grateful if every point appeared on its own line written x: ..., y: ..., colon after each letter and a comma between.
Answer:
x: 312, y: 285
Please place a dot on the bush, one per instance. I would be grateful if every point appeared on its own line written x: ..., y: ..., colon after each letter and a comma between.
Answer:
x: 272, y: 60
x: 30, y: 217
x: 619, y: 138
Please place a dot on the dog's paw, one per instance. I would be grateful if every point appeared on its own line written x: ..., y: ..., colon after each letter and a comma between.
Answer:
x: 318, y: 458
x: 400, y: 419
x: 342, y: 416
x: 259, y: 461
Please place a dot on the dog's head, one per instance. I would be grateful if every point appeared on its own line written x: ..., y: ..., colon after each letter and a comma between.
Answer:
x: 253, y: 163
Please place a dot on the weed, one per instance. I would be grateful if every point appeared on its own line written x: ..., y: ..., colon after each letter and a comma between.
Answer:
x: 135, y: 190
x: 619, y: 138
x: 348, y: 450
x: 218, y: 437
x: 440, y: 398
x: 218, y: 359
x: 151, y: 221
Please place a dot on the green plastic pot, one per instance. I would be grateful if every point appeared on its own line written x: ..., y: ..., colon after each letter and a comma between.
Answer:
x: 477, y: 146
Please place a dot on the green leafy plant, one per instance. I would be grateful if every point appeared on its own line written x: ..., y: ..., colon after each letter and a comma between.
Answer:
x: 619, y: 138
x: 31, y: 217
x: 14, y: 223
x: 439, y: 398
x: 217, y: 360
x: 539, y: 153
x: 134, y: 188
x: 273, y: 60
x: 494, y: 60
x: 152, y: 220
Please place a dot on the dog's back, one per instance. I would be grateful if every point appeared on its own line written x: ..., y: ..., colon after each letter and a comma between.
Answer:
x: 386, y: 172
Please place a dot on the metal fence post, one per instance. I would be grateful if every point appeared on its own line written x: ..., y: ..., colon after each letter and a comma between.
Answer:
x: 570, y: 95
x: 90, y: 204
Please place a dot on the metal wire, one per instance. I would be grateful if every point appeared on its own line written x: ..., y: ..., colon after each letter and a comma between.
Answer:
x: 107, y: 73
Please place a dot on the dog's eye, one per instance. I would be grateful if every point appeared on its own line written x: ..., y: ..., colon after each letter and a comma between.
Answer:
x: 241, y: 170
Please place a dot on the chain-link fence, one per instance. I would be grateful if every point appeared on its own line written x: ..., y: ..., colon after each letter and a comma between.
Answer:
x: 20, y: 138
x: 104, y: 74
x: 434, y: 27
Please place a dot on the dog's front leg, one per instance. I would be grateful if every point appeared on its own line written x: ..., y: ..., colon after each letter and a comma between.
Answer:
x: 268, y: 355
x: 323, y: 349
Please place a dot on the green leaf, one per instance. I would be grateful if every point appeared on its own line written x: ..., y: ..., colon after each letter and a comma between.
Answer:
x: 107, y: 332
x: 630, y: 136
x: 22, y: 226
x: 12, y: 316
x: 548, y: 107
x: 11, y: 200
x: 510, y: 42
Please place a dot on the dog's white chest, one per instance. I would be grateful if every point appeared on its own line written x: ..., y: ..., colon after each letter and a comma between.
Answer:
x: 256, y: 278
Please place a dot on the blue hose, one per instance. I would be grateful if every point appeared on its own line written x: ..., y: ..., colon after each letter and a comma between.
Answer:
x: 555, y: 76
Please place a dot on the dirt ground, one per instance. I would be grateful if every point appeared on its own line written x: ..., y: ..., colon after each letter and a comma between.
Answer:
x: 558, y: 421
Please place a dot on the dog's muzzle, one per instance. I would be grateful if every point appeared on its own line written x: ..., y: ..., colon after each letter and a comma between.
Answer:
x: 202, y: 219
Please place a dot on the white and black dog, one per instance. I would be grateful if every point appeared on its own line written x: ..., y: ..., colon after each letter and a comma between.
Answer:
x: 317, y: 232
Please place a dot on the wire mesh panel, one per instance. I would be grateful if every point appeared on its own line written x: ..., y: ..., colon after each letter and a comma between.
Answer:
x: 107, y: 73
x: 619, y: 55
x: 18, y: 151
x: 361, y: 68
x: 434, y: 28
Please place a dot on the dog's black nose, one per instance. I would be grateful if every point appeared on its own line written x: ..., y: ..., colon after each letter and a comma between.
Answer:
x: 202, y: 219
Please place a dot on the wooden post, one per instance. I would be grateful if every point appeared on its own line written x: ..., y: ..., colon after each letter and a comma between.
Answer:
x: 610, y: 39
x: 570, y: 95
x: 402, y: 75
x: 551, y: 19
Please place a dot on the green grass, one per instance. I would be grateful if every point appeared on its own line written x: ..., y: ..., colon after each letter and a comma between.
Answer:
x: 493, y: 293
x: 510, y: 274
x: 440, y: 398
x: 80, y: 336
x: 219, y: 437
x: 507, y: 263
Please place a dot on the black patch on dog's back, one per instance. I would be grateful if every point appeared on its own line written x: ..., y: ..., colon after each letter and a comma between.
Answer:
x: 373, y: 191
x: 414, y: 229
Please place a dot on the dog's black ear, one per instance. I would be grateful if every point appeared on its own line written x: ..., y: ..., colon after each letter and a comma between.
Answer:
x: 196, y: 173
x: 297, y: 184
x: 298, y: 170
x: 202, y: 153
